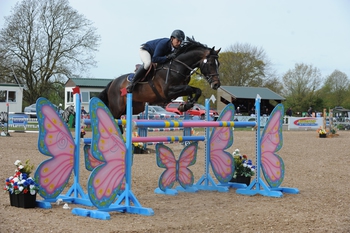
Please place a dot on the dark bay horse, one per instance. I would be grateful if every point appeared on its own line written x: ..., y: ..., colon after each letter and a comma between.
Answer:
x: 167, y: 81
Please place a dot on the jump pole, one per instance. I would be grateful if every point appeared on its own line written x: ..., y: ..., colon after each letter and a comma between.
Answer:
x: 128, y: 196
x: 75, y: 190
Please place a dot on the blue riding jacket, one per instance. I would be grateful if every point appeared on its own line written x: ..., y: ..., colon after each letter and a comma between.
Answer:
x: 159, y: 49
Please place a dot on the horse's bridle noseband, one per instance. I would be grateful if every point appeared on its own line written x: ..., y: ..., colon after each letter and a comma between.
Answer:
x: 202, y: 65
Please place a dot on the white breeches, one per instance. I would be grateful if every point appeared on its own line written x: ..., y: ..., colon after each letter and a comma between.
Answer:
x: 145, y: 58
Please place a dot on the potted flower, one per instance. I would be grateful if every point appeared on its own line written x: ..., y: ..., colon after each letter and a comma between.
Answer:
x: 322, y: 132
x: 244, y: 168
x: 138, y: 146
x: 21, y: 187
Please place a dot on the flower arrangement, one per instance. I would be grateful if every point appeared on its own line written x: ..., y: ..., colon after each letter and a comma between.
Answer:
x: 21, y: 182
x: 243, y: 165
x: 137, y: 144
x: 322, y: 131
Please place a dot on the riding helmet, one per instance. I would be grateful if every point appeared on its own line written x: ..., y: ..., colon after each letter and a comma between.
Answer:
x: 178, y: 34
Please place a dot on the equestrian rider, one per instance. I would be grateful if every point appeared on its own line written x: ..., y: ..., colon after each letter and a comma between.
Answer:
x: 156, y: 51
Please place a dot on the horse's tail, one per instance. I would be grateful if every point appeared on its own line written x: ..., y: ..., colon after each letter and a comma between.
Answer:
x: 103, y: 96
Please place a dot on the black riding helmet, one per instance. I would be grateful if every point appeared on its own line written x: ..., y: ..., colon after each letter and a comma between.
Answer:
x: 178, y: 34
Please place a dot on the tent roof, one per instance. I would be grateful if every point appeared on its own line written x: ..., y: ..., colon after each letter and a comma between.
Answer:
x: 251, y: 92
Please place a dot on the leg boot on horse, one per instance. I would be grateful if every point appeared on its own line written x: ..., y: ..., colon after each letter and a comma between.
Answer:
x: 140, y: 73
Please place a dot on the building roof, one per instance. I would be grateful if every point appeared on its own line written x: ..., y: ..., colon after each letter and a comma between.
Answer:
x: 251, y: 92
x: 89, y: 82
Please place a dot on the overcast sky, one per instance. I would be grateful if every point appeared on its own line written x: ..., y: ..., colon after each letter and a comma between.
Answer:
x: 314, y: 32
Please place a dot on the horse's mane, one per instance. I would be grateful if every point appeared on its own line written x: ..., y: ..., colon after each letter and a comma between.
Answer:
x: 189, y: 45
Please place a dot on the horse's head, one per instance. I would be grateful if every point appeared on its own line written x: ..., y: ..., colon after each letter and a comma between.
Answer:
x: 70, y: 109
x: 209, y: 66
x: 193, y: 55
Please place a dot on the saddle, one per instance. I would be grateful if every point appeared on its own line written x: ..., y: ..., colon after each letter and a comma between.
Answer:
x: 149, y: 74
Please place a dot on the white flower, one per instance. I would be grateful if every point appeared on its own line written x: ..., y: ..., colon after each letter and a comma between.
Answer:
x: 20, y: 188
x: 244, y: 165
x: 32, y: 191
x: 236, y: 152
x: 17, y: 162
x: 32, y: 186
x: 20, y: 167
x: 15, y: 179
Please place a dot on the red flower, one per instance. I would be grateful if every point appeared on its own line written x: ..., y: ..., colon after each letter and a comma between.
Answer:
x: 245, y: 157
x: 25, y: 190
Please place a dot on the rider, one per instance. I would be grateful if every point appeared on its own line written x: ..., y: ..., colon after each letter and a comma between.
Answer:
x: 156, y: 51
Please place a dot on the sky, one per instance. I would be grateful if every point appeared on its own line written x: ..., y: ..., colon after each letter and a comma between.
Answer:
x: 313, y: 32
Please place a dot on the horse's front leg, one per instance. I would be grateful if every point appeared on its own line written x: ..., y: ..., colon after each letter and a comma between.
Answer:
x: 185, y: 90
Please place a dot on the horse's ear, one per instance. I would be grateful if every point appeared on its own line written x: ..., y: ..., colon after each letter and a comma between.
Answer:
x: 213, y: 51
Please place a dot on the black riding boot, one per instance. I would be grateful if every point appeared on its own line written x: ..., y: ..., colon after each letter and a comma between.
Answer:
x: 140, y: 73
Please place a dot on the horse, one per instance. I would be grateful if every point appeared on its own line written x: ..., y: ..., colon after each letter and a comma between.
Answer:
x: 167, y: 81
x: 67, y: 112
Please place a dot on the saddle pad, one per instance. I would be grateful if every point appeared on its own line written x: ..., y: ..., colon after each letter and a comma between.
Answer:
x: 130, y: 77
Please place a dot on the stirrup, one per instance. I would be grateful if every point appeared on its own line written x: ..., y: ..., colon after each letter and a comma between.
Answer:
x: 130, y: 88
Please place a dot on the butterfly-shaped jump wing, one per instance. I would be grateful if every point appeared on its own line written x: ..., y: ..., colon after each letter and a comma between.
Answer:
x: 221, y: 138
x: 90, y: 161
x: 271, y: 142
x: 108, y: 146
x: 176, y: 170
x: 55, y: 140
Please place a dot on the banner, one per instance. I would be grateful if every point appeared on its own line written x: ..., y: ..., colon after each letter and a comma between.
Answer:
x: 305, y: 123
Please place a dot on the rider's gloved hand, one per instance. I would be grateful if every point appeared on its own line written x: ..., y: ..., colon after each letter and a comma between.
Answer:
x: 171, y: 56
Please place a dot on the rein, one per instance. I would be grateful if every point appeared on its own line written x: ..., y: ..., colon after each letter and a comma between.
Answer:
x: 209, y: 77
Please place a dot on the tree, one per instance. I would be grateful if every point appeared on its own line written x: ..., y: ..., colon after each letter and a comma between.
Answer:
x: 245, y: 65
x: 336, y: 89
x: 45, y: 42
x: 300, y: 87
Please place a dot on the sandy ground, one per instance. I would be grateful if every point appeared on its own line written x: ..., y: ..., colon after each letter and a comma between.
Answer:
x: 318, y: 167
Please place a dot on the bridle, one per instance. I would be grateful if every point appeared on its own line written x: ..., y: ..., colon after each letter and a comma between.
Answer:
x: 203, y: 65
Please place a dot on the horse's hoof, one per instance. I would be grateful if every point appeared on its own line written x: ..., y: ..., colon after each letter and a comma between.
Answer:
x: 188, y: 106
x: 181, y: 108
x: 185, y: 107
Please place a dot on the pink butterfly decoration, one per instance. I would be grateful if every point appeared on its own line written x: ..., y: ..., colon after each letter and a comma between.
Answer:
x: 55, y: 140
x: 221, y: 138
x: 271, y: 142
x: 105, y: 180
x: 90, y: 161
x: 176, y: 170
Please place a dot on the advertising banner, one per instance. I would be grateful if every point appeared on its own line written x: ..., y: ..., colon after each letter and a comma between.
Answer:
x: 306, y: 123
